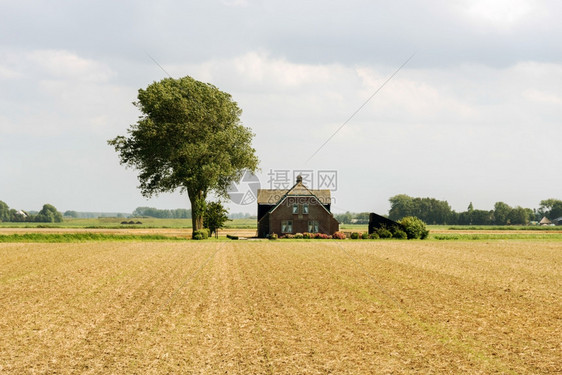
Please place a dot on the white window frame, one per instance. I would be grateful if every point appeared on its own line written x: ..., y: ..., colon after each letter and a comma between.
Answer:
x: 313, y: 226
x: 305, y: 209
x: 287, y: 226
x: 295, y: 209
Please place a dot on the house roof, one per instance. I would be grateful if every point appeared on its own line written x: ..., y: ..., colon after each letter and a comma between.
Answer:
x: 545, y: 221
x: 274, y: 196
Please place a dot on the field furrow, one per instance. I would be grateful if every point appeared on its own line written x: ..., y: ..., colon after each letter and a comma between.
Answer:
x: 281, y: 307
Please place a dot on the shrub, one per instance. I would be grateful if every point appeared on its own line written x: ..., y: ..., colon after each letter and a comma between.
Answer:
x: 355, y: 235
x: 365, y: 236
x: 374, y: 236
x: 298, y: 235
x: 273, y: 236
x: 289, y: 236
x: 307, y: 235
x: 384, y: 233
x: 202, y: 234
x: 399, y: 234
x: 414, y: 227
x: 338, y: 236
x: 322, y: 236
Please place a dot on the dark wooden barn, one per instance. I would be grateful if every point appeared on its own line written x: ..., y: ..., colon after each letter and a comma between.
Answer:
x: 378, y: 221
x: 297, y: 210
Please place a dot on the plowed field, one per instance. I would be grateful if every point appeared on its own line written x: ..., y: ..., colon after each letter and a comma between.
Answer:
x: 281, y: 307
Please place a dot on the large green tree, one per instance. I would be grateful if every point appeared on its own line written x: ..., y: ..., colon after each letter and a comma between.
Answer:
x: 501, y: 213
x: 190, y: 138
x: 4, y: 212
x: 551, y: 208
x: 49, y: 214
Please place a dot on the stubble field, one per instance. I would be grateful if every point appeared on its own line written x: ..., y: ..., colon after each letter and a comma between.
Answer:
x: 281, y: 307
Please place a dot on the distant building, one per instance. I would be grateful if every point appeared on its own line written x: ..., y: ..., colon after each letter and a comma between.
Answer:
x: 297, y: 210
x: 378, y: 221
x: 545, y: 221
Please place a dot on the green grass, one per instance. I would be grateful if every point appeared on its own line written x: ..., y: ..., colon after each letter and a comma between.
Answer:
x: 242, y: 224
x: 115, y: 223
x: 354, y: 227
x: 84, y: 237
x: 492, y: 236
x: 500, y: 227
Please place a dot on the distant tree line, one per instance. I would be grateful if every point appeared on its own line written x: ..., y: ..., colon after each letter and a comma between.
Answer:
x: 48, y: 214
x: 241, y: 215
x: 433, y: 211
x: 179, y: 213
x: 353, y: 218
x: 93, y: 215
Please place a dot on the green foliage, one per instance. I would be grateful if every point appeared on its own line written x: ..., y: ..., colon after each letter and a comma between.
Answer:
x: 72, y: 214
x: 273, y: 236
x: 383, y: 233
x: 344, y: 218
x: 4, y: 211
x: 190, y: 138
x: 365, y: 235
x: 48, y: 214
x: 414, y: 227
x: 355, y: 235
x: 215, y: 217
x: 83, y: 237
x: 428, y: 209
x: 179, y: 213
x: 551, y: 208
x: 399, y: 233
x: 201, y: 234
x: 374, y: 236
x: 501, y: 213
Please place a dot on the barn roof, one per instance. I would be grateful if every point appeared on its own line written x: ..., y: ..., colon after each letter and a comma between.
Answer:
x: 545, y: 221
x: 273, y: 196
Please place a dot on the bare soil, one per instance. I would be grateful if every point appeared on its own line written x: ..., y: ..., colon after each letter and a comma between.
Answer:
x: 244, y: 307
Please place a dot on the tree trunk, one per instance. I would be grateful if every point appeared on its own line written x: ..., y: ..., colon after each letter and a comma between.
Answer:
x: 197, y: 200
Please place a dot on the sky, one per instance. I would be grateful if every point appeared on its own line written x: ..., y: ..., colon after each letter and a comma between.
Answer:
x: 474, y: 116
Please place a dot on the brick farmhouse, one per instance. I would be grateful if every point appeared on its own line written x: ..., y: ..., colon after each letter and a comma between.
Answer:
x: 297, y: 210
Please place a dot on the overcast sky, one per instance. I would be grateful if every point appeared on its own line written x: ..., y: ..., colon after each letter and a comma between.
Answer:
x: 475, y: 116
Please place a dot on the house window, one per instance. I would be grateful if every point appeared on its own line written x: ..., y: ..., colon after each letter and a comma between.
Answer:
x: 295, y: 208
x: 305, y: 208
x: 313, y: 226
x: 287, y: 226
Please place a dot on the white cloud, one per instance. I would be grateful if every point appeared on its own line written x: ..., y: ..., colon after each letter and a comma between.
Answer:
x: 502, y: 15
x: 56, y: 91
x: 63, y: 64
x: 236, y: 3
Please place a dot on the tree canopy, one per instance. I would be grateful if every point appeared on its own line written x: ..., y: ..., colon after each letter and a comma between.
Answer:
x: 215, y: 217
x: 49, y: 214
x: 4, y: 211
x: 551, y: 208
x: 430, y: 210
x: 190, y: 138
